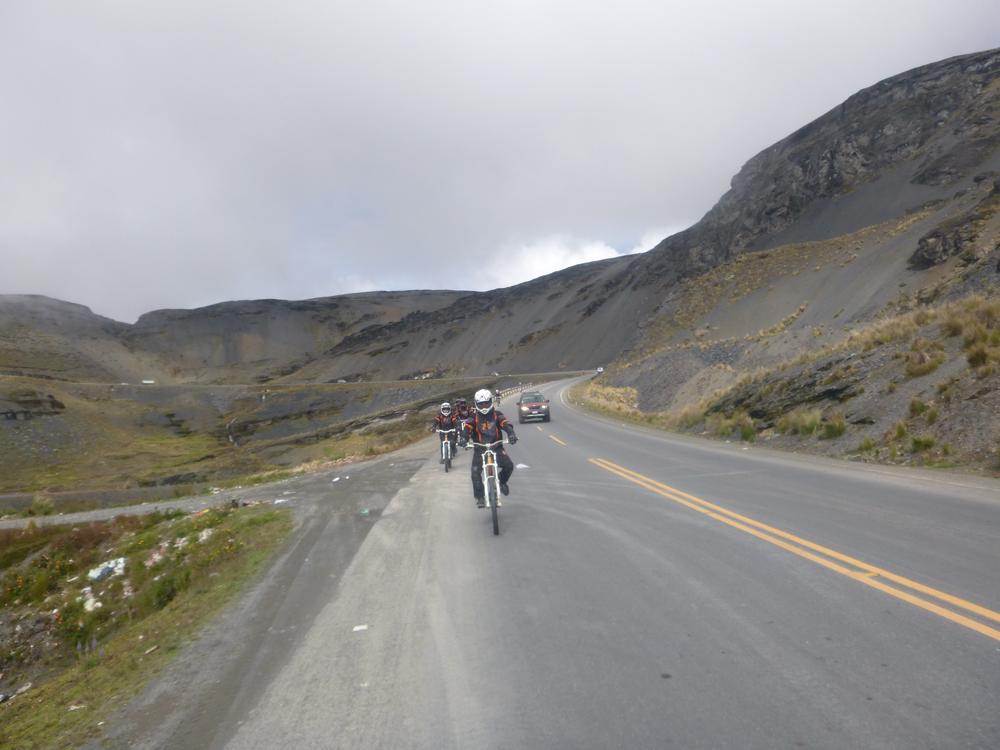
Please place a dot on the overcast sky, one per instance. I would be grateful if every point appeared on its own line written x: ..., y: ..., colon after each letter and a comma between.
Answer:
x: 176, y: 154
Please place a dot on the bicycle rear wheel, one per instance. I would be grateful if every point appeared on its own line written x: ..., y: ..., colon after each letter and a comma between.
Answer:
x: 493, y: 507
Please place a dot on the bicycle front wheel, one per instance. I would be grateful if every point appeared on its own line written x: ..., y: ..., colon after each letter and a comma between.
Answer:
x: 493, y: 508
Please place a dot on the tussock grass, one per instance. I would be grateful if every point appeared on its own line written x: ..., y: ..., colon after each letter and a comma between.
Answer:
x: 739, y: 423
x: 834, y: 426
x: 803, y: 421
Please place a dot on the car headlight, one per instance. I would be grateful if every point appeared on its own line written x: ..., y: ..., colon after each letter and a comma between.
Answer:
x: 545, y: 406
x: 524, y: 408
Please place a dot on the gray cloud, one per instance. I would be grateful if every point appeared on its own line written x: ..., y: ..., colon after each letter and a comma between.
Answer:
x: 181, y: 153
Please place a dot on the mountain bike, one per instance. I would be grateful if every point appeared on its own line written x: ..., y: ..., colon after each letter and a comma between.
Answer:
x: 446, y: 448
x: 491, y: 481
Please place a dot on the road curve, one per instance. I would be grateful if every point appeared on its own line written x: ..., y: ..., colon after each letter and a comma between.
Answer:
x: 646, y: 591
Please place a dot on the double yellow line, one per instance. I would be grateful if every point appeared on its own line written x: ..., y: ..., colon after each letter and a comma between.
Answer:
x: 860, y: 571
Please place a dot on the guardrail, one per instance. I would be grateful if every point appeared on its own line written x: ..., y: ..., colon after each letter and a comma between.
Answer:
x: 503, y: 393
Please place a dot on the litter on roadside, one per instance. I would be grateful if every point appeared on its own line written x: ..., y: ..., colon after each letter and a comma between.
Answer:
x: 205, y: 534
x: 281, y: 500
x: 157, y: 555
x: 76, y: 707
x: 90, y: 602
x: 359, y: 628
x: 109, y: 568
x: 335, y: 479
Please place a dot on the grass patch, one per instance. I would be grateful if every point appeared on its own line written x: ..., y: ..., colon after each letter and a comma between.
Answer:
x: 866, y: 446
x: 920, y: 443
x: 834, y: 426
x: 804, y: 422
x: 920, y: 362
x: 103, y: 656
x: 739, y: 423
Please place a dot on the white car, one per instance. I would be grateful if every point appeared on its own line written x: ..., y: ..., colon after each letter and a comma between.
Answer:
x: 600, y: 370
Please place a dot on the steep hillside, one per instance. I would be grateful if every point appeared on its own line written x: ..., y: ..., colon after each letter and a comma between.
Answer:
x: 260, y: 340
x: 889, y: 191
x: 914, y: 138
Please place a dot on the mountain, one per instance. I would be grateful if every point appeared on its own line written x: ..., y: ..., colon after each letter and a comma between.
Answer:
x: 891, y: 190
x: 888, y: 191
x: 247, y: 341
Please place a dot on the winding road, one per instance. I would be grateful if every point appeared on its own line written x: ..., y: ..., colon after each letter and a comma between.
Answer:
x: 646, y: 591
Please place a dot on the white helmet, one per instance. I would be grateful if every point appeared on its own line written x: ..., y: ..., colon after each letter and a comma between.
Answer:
x: 446, y: 408
x: 484, y: 401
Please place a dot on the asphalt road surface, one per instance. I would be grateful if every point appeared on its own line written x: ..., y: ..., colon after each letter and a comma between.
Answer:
x: 646, y: 591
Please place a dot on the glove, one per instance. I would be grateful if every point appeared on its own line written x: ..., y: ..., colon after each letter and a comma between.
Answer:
x: 512, y: 439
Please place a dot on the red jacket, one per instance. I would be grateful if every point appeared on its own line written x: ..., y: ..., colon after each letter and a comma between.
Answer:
x: 442, y: 422
x: 486, y: 428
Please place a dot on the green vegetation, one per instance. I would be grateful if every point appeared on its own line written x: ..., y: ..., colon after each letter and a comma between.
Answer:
x: 41, y: 505
x: 920, y: 362
x: 803, y: 421
x: 739, y: 423
x: 866, y: 446
x: 834, y: 426
x: 901, y: 429
x: 109, y: 636
x: 920, y: 443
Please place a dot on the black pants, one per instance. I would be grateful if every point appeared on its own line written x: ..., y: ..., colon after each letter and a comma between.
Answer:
x: 453, y: 437
x: 503, y: 461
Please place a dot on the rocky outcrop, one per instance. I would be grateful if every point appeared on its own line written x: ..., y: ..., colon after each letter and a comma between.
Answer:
x: 939, y: 122
x: 957, y: 236
x: 833, y: 380
x: 27, y: 404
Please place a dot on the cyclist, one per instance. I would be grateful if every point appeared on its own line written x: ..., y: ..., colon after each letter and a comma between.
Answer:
x: 461, y: 414
x: 445, y: 420
x: 485, y: 426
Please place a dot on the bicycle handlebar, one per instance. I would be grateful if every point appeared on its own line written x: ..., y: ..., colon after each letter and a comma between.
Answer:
x: 487, y: 445
x: 447, y: 431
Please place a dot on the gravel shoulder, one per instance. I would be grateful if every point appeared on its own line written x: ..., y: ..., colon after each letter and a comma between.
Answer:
x: 207, y: 691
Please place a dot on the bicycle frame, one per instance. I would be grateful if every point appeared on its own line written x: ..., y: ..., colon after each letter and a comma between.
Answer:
x: 446, y: 447
x: 491, y: 480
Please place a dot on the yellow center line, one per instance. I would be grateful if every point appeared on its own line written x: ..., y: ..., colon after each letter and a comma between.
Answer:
x: 794, y: 544
x: 553, y: 437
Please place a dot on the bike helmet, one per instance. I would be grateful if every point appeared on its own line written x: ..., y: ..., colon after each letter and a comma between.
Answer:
x: 446, y: 408
x: 484, y: 401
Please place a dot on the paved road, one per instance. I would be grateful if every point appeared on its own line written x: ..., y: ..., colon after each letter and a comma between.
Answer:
x: 646, y: 591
